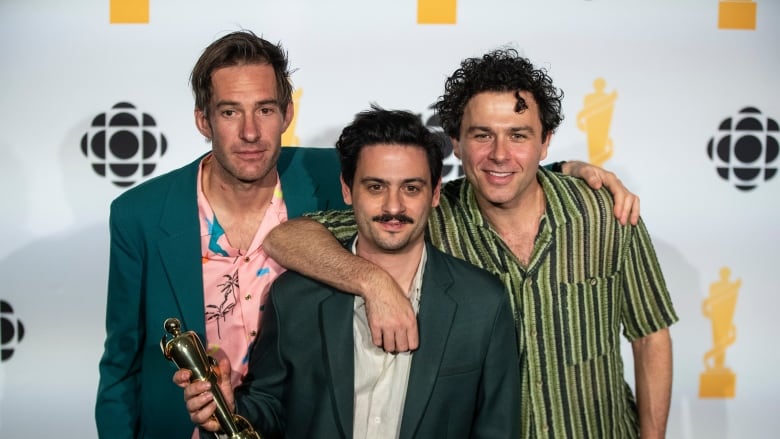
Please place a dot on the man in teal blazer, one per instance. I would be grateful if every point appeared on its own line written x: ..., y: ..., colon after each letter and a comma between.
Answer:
x: 155, y: 227
x: 314, y: 372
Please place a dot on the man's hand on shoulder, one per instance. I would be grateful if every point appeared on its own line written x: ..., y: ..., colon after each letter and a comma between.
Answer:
x: 391, y: 317
x: 626, y: 202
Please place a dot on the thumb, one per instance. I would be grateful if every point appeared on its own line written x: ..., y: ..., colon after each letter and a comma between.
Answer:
x: 225, y: 385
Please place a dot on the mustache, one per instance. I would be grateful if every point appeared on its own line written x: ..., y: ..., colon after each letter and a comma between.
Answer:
x: 389, y: 217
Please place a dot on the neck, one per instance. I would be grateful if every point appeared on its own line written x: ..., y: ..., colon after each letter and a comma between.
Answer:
x: 225, y: 192
x: 523, y: 215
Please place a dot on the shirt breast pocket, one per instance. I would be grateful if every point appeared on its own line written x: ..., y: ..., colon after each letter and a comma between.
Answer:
x: 589, y: 316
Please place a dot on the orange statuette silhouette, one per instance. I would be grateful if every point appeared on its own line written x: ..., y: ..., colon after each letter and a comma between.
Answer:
x: 289, y: 136
x: 717, y: 380
x: 595, y: 119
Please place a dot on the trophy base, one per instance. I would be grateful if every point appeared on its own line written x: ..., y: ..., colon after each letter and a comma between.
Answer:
x: 717, y: 383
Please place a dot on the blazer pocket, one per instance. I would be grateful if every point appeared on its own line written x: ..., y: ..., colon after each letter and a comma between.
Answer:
x: 457, y: 369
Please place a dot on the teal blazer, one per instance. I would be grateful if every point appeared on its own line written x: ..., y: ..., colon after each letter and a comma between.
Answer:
x: 155, y: 272
x: 464, y: 379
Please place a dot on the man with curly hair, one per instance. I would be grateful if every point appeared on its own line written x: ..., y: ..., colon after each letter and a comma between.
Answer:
x: 576, y: 275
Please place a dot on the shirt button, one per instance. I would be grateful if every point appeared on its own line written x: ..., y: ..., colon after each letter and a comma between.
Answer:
x: 253, y: 333
x: 539, y: 384
x: 545, y: 428
x: 248, y: 296
x: 246, y: 258
x: 593, y: 281
x: 377, y: 420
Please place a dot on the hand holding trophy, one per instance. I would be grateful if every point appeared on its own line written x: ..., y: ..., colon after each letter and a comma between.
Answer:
x: 187, y: 352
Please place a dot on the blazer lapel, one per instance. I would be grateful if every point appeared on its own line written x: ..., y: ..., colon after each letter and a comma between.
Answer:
x: 299, y: 189
x: 336, y: 316
x: 434, y: 319
x: 180, y: 251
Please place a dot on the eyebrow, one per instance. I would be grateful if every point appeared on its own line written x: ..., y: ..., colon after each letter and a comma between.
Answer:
x: 383, y: 181
x: 264, y: 102
x: 515, y: 129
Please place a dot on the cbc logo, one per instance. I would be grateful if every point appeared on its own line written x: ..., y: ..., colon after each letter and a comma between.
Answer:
x: 745, y: 149
x: 452, y: 168
x: 12, y: 330
x: 123, y: 145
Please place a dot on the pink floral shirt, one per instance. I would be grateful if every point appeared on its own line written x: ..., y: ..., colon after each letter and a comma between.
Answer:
x: 235, y: 285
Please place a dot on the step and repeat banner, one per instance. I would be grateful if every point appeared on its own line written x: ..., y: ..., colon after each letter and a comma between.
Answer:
x: 680, y: 98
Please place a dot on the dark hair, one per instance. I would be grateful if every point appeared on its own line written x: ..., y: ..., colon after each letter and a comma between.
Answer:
x: 380, y: 126
x: 499, y: 71
x: 235, y: 49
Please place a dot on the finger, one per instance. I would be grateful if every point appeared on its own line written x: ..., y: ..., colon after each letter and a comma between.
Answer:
x: 388, y: 341
x: 594, y: 180
x: 201, y: 407
x: 223, y: 370
x: 413, y: 336
x: 635, y: 211
x: 401, y: 340
x: 195, y: 389
x: 182, y: 377
x: 622, y: 208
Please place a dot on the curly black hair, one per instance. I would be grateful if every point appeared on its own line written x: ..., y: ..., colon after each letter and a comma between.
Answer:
x: 499, y: 71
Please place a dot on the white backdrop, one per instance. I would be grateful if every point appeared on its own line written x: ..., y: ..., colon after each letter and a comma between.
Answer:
x: 676, y: 74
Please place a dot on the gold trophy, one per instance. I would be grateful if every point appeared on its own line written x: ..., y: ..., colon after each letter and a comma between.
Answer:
x: 594, y: 119
x: 718, y: 380
x: 187, y: 352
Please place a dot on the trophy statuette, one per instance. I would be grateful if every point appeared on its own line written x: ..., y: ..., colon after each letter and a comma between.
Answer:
x: 186, y: 351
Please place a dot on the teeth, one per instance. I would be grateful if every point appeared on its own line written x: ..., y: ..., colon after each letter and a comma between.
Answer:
x: 500, y: 174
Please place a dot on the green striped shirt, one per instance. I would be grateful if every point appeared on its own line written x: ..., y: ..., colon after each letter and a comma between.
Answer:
x: 588, y: 279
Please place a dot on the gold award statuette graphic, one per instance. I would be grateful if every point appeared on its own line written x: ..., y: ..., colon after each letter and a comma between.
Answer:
x: 717, y: 380
x: 289, y: 136
x: 595, y: 118
x: 186, y: 351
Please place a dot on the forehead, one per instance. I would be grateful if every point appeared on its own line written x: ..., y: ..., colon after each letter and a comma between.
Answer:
x: 487, y: 108
x: 243, y: 79
x: 393, y: 161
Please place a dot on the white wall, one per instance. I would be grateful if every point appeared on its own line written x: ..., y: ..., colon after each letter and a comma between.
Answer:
x: 676, y: 74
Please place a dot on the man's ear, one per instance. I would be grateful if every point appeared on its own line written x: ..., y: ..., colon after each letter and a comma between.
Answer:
x: 545, y: 147
x: 436, y: 194
x: 203, y: 124
x: 288, y: 116
x: 455, y: 146
x: 346, y: 192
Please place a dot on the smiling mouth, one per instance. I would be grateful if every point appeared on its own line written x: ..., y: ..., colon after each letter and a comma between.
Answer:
x: 499, y: 174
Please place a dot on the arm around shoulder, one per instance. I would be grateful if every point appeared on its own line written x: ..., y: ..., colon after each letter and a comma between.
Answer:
x: 306, y: 246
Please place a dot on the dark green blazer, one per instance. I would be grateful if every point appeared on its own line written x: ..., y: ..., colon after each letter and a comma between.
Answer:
x: 155, y: 272
x: 464, y: 379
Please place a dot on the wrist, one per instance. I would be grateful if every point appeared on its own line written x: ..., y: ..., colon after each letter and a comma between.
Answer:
x: 558, y: 166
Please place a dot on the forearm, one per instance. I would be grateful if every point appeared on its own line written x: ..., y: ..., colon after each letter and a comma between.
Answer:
x: 653, y: 375
x: 306, y: 246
